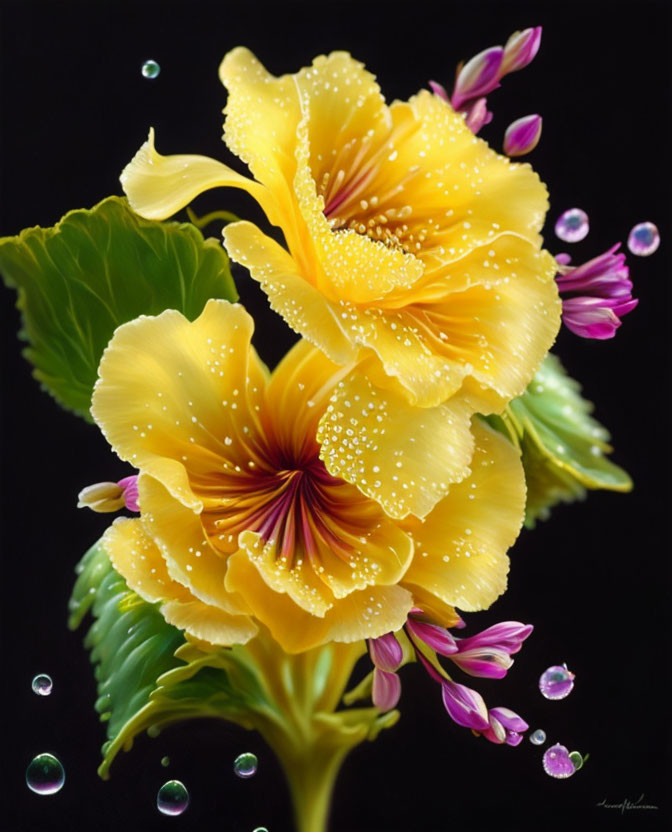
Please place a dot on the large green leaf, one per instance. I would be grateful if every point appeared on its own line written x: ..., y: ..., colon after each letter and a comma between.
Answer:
x: 564, y: 450
x: 95, y: 270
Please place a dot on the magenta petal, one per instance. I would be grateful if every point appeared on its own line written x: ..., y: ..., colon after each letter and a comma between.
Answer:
x: 477, y: 115
x: 130, y: 492
x: 507, y: 635
x: 509, y: 719
x: 514, y: 739
x: 386, y: 689
x: 439, y: 90
x: 486, y: 662
x: 478, y: 76
x: 520, y: 50
x: 386, y: 652
x: 523, y: 135
x: 563, y: 259
x: 465, y: 706
x: 438, y: 638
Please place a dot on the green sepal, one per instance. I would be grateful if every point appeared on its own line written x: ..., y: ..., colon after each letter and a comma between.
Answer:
x: 564, y: 450
x: 97, y: 269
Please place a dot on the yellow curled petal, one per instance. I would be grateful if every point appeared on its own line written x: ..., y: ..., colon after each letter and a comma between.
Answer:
x: 209, y: 623
x: 403, y: 457
x: 172, y: 396
x: 368, y: 613
x: 158, y: 186
x: 136, y: 557
x: 460, y: 549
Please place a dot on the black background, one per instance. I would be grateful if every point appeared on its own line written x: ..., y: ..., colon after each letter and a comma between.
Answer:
x: 593, y: 580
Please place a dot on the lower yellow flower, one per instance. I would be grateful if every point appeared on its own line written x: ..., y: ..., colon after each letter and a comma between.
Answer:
x: 240, y: 521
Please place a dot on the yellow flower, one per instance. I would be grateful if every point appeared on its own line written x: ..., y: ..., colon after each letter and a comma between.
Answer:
x: 240, y: 521
x: 414, y: 249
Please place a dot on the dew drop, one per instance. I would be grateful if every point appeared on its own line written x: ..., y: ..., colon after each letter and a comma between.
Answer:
x: 260, y: 829
x: 150, y: 69
x: 556, y: 682
x: 577, y: 759
x: 643, y: 239
x: 245, y: 765
x: 538, y: 737
x: 45, y: 774
x: 557, y: 763
x: 42, y: 684
x: 165, y: 761
x: 572, y: 225
x: 172, y: 798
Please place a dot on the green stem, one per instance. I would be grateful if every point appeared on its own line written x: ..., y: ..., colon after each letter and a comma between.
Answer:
x: 201, y: 222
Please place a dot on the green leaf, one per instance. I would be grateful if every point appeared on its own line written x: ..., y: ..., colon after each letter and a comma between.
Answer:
x: 94, y: 270
x: 564, y: 450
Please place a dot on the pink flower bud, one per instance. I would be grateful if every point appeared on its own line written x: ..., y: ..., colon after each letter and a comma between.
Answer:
x: 386, y: 652
x: 465, y: 706
x: 439, y: 90
x: 522, y: 136
x: 386, y: 689
x: 520, y: 50
x: 478, y: 77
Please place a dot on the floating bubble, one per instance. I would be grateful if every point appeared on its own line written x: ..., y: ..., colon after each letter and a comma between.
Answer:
x: 577, y: 759
x: 538, y: 737
x: 643, y: 239
x: 260, y: 829
x: 556, y: 682
x: 572, y: 225
x: 45, y: 774
x: 165, y: 761
x: 42, y: 684
x: 557, y: 763
x: 150, y: 69
x: 172, y: 798
x: 245, y: 765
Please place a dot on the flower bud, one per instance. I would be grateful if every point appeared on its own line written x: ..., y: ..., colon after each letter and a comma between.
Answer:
x: 439, y: 90
x: 477, y: 115
x: 106, y: 497
x: 386, y: 689
x: 520, y: 50
x: 478, y: 77
x: 522, y: 136
x: 465, y: 706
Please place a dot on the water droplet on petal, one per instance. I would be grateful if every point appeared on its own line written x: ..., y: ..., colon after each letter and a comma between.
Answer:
x: 538, y: 737
x: 150, y: 69
x: 245, y: 765
x: 42, y: 684
x: 45, y: 774
x: 165, y: 761
x: 556, y: 682
x: 556, y: 762
x: 572, y: 225
x: 643, y: 239
x: 172, y: 798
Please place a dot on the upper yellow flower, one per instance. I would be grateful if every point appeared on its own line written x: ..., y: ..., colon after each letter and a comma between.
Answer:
x: 240, y: 521
x: 414, y: 249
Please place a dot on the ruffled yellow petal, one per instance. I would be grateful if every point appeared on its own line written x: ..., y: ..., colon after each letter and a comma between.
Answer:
x: 138, y: 560
x: 208, y: 623
x: 460, y: 555
x: 190, y: 559
x: 178, y: 399
x: 303, y: 306
x: 368, y: 613
x: 403, y: 457
x: 158, y: 186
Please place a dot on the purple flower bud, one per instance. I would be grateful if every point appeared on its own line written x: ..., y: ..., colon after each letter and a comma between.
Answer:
x: 438, y: 638
x: 489, y: 662
x: 522, y: 135
x: 386, y: 652
x: 478, y: 77
x: 599, y: 295
x: 386, y: 689
x: 477, y: 115
x: 439, y: 90
x: 465, y: 706
x: 520, y: 50
x: 129, y: 486
x: 507, y: 636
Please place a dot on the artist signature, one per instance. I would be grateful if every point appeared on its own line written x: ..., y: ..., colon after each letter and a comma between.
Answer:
x: 625, y: 805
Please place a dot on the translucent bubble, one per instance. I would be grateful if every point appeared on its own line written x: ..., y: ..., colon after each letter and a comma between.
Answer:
x: 577, y: 759
x: 245, y: 765
x: 538, y: 737
x: 42, y: 684
x: 172, y: 798
x: 165, y: 761
x: 556, y: 682
x: 150, y: 69
x: 557, y: 763
x: 643, y: 239
x: 572, y: 225
x: 45, y: 774
x: 260, y: 829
